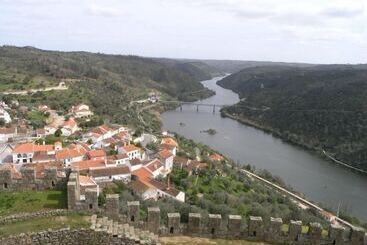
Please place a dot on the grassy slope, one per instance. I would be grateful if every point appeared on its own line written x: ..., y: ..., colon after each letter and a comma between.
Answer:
x: 42, y: 224
x: 293, y: 95
x: 31, y: 201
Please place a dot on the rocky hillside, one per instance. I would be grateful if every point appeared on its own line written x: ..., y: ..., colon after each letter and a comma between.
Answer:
x: 319, y: 107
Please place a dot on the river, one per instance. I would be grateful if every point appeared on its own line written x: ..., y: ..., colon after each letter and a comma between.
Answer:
x: 320, y: 180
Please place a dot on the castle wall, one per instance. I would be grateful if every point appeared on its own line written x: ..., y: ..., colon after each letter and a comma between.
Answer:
x: 28, y: 181
x: 213, y: 226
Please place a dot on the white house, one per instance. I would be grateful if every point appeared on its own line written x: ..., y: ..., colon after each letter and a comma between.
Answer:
x: 156, y: 168
x: 131, y: 151
x: 121, y: 159
x: 81, y: 111
x: 7, y: 133
x: 69, y: 156
x: 69, y: 127
x: 167, y: 159
x: 4, y: 115
x: 24, y: 153
x: 109, y: 174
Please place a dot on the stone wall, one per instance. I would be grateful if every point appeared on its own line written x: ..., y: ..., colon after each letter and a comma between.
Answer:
x: 26, y: 216
x: 29, y: 180
x: 255, y: 228
x: 66, y: 236
x: 214, y: 226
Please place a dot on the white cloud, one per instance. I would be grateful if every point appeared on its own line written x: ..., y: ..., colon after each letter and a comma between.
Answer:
x: 101, y: 10
x: 239, y: 29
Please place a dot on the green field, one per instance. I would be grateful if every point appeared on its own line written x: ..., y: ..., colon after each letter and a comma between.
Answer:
x: 31, y: 201
x: 41, y: 224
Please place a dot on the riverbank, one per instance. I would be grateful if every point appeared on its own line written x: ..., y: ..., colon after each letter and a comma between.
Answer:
x: 319, y: 151
x: 321, y: 182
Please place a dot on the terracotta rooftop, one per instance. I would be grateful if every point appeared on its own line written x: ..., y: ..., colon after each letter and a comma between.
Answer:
x: 85, y: 165
x: 216, y: 157
x: 140, y: 186
x: 70, y: 153
x: 142, y: 174
x: 164, y: 154
x: 96, y: 153
x: 154, y: 165
x: 169, y: 141
x: 130, y: 148
x: 109, y: 171
x: 31, y: 148
x: 86, y: 181
x: 71, y: 123
x: 43, y: 156
x: 117, y: 157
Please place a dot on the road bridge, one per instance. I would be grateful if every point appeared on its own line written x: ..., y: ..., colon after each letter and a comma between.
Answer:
x: 197, y: 104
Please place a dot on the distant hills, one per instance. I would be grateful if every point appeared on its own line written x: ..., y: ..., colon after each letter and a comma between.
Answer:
x: 318, y: 107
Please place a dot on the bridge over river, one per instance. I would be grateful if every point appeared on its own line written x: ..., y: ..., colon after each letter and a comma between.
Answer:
x: 195, y: 104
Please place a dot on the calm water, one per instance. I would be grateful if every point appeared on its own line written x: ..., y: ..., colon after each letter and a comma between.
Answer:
x: 320, y: 180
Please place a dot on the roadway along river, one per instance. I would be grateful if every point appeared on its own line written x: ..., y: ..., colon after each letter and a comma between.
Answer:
x: 321, y: 181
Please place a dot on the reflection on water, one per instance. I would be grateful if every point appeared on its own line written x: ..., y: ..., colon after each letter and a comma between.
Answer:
x: 321, y: 181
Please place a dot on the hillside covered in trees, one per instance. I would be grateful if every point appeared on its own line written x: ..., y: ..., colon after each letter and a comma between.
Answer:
x: 106, y: 82
x: 319, y: 107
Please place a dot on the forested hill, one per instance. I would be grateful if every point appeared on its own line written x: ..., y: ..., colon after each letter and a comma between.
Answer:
x: 108, y: 83
x: 27, y: 67
x: 319, y: 107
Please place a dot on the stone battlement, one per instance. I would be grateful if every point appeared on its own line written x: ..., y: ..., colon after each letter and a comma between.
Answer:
x: 28, y: 178
x: 235, y: 227
x: 213, y: 226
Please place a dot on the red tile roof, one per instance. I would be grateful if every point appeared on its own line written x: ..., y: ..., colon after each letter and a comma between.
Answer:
x: 130, y: 148
x: 164, y: 154
x: 85, y: 165
x: 70, y: 153
x: 86, y: 181
x: 31, y: 148
x: 109, y: 171
x: 96, y: 153
x: 216, y: 157
x: 71, y: 123
x: 142, y: 174
x: 170, y: 141
x: 154, y: 165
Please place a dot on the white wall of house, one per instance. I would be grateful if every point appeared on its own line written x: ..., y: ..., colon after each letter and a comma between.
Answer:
x: 168, y: 163
x: 5, y: 116
x: 136, y: 167
x: 22, y: 158
x: 69, y: 161
x: 124, y: 161
x: 150, y: 194
x: 122, y: 177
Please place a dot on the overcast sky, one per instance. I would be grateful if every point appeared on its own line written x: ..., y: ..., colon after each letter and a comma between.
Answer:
x: 315, y: 31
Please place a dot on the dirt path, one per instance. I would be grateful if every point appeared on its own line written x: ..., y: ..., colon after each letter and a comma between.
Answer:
x: 61, y: 86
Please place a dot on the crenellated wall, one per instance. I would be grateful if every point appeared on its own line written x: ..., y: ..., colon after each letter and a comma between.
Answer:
x: 29, y: 181
x: 255, y: 228
x: 213, y: 226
